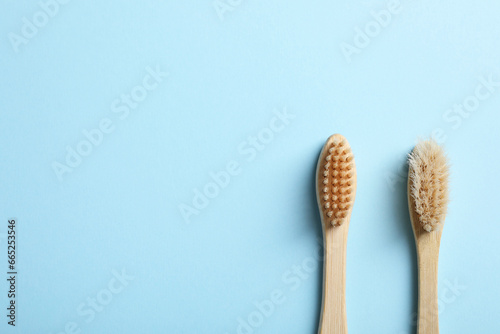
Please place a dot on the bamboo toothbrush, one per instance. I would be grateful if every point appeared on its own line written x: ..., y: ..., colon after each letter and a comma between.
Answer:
x: 335, y: 190
x: 428, y: 201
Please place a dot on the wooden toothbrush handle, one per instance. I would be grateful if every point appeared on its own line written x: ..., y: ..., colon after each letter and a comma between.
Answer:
x: 428, y: 311
x: 333, y: 311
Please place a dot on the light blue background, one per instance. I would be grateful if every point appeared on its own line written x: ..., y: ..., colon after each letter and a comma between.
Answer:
x: 120, y: 208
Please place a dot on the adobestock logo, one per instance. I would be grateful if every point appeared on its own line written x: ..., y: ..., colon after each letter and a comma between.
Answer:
x: 447, y: 296
x: 263, y: 310
x: 122, y: 107
x: 292, y: 279
x: 485, y: 89
x: 223, y: 6
x: 104, y: 297
x: 363, y: 36
x: 460, y: 111
x: 39, y: 19
x: 98, y: 302
x: 248, y: 151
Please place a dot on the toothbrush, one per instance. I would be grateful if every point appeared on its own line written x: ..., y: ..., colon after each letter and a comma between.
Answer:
x: 335, y: 190
x: 428, y: 201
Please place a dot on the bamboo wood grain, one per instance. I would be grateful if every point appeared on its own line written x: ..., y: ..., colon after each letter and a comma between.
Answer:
x: 333, y: 310
x: 333, y: 319
x: 427, y: 244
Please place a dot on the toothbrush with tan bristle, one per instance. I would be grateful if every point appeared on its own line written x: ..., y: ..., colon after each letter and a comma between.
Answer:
x: 428, y: 202
x: 336, y: 190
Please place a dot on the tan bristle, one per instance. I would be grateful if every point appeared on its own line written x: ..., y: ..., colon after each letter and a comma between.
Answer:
x: 428, y: 181
x: 337, y: 180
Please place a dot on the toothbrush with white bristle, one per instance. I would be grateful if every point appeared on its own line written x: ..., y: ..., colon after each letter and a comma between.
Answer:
x: 428, y: 202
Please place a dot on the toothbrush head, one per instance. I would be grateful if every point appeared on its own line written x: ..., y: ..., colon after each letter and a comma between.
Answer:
x: 336, y: 181
x: 428, y: 184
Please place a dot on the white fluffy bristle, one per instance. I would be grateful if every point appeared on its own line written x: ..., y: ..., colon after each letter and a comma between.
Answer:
x: 428, y: 182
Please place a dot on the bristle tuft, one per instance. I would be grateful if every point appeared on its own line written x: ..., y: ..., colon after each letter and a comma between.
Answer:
x: 337, y: 180
x: 428, y: 177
